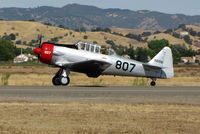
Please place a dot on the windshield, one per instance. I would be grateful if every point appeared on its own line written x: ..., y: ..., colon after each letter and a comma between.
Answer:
x: 94, y: 48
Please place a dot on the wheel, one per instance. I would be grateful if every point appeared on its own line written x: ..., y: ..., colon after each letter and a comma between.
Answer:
x: 56, y: 81
x: 153, y: 83
x: 64, y: 81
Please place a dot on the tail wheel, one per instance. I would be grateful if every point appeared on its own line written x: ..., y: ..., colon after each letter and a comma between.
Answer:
x: 153, y: 83
x: 64, y: 81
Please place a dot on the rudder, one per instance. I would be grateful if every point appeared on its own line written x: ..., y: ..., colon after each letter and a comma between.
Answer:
x: 164, y: 61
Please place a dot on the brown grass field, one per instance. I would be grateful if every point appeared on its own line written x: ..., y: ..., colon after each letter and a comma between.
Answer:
x: 96, y: 118
x: 79, y: 79
x: 42, y: 75
x: 91, y: 118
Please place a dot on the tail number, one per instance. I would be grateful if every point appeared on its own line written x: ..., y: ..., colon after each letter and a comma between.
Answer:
x: 125, y: 66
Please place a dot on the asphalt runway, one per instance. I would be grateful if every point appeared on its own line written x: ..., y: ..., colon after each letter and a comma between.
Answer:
x: 175, y: 95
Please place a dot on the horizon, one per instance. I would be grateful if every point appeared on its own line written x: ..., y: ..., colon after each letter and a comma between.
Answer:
x: 186, y: 8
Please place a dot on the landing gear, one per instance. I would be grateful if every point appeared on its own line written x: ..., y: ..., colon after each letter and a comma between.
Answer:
x: 56, y: 81
x: 64, y: 81
x: 153, y: 82
x: 61, y: 78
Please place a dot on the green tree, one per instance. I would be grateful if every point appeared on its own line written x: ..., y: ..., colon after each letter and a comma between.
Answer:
x: 120, y: 52
x: 187, y: 39
x: 180, y: 51
x: 157, y: 45
x: 146, y: 33
x: 85, y: 37
x: 7, y: 50
x: 130, y: 51
x: 182, y: 26
x: 111, y: 42
x: 10, y: 37
x: 134, y: 36
x: 142, y: 54
x: 151, y: 53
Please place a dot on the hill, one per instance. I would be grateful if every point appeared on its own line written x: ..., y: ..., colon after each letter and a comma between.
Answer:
x: 27, y: 32
x: 125, y: 31
x: 174, y: 36
x: 76, y: 16
x: 26, y: 35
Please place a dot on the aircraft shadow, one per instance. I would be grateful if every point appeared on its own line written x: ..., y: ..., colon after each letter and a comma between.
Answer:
x: 88, y: 86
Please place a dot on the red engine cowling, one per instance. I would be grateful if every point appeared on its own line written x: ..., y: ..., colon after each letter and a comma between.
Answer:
x: 45, y: 52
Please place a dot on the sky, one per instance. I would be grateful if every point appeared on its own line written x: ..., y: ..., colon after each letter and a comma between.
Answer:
x: 188, y: 7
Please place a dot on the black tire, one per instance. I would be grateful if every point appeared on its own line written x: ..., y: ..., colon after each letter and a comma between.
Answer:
x: 56, y: 81
x: 66, y: 81
x: 153, y: 83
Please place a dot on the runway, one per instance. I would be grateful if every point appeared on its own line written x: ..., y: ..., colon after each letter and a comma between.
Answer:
x: 135, y: 95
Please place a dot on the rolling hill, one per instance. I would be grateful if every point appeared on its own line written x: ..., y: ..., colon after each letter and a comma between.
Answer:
x: 76, y: 16
x: 27, y: 32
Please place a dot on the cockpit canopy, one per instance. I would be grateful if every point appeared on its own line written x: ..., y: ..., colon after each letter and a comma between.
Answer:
x: 94, y: 48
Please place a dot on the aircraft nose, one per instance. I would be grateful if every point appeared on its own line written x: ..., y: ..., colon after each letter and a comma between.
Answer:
x: 37, y: 50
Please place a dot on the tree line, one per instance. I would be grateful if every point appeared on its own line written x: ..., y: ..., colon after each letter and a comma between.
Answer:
x: 8, y: 50
x: 154, y: 47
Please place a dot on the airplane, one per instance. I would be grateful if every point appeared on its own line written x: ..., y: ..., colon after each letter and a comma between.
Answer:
x: 95, y: 60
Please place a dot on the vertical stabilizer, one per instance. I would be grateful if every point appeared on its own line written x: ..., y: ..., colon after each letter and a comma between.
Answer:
x: 164, y: 61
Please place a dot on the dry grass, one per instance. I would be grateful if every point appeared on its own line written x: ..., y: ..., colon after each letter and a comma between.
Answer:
x: 28, y: 69
x: 101, y: 38
x: 80, y: 79
x: 179, y: 70
x: 187, y: 71
x: 30, y: 30
x: 195, y: 28
x: 82, y: 118
x: 185, y: 76
x: 172, y: 40
x: 125, y: 31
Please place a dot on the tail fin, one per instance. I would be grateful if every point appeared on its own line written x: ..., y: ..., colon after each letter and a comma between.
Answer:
x: 164, y: 61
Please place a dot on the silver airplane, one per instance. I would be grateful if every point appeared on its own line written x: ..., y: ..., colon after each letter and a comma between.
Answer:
x: 95, y: 60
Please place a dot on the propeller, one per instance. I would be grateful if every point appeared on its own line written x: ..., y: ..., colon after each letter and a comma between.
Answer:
x: 38, y: 49
x: 40, y: 40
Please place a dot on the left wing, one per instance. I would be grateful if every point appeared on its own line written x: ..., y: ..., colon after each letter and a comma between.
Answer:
x: 93, y: 68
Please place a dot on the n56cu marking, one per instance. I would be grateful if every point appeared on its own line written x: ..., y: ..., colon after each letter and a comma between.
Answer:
x: 124, y: 66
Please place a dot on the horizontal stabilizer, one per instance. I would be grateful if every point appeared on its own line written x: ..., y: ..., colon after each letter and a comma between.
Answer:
x: 151, y: 66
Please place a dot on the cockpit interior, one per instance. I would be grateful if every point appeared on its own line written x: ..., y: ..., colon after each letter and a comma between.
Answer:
x: 94, y: 48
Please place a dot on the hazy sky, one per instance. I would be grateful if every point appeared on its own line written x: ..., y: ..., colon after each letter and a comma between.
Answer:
x: 188, y: 7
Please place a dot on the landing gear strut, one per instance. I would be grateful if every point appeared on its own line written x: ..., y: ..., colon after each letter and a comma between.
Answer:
x: 61, y: 78
x: 153, y: 82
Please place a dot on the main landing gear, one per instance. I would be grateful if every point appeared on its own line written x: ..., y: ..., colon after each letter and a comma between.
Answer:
x: 153, y: 82
x: 61, y: 78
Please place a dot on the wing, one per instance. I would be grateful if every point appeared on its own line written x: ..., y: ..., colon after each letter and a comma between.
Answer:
x: 92, y: 68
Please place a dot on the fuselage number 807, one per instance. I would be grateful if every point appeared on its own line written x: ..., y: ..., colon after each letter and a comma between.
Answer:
x: 124, y: 66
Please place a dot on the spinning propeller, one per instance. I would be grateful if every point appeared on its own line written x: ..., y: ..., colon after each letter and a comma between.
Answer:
x: 38, y: 49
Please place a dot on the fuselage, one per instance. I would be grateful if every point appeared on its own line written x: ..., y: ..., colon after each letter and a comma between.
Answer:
x: 119, y: 65
x: 65, y: 56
